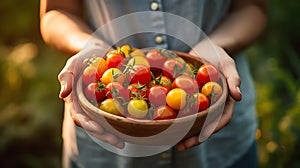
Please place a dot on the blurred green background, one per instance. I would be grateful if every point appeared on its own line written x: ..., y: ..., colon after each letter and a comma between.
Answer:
x: 31, y: 113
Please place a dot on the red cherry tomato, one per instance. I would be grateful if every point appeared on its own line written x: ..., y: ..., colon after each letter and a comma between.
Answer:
x: 164, y: 112
x: 172, y: 68
x: 89, y: 75
x: 114, y: 60
x: 137, y: 91
x: 95, y: 92
x: 156, y: 59
x: 207, y: 73
x: 139, y: 74
x: 115, y: 89
x: 157, y: 95
x: 186, y: 83
x: 201, y: 102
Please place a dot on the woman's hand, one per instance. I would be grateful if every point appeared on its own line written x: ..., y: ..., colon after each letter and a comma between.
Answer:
x: 66, y: 78
x: 217, y: 56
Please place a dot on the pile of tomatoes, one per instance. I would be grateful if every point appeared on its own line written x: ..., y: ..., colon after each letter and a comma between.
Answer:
x: 156, y: 84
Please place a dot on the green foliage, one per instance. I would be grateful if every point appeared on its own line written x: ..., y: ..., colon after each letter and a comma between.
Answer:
x: 30, y: 111
x: 275, y: 65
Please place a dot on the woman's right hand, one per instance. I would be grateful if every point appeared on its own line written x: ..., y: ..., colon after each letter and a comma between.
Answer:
x: 66, y: 78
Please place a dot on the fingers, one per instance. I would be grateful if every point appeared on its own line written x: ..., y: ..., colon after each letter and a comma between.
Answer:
x: 226, y: 116
x: 214, y: 126
x: 189, y: 143
x: 109, y: 138
x: 92, y: 127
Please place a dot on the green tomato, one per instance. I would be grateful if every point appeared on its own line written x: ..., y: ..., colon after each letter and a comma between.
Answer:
x: 137, y: 108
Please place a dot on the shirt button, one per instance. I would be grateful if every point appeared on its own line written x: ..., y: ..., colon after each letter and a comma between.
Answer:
x: 154, y: 6
x: 164, y: 156
x: 159, y: 39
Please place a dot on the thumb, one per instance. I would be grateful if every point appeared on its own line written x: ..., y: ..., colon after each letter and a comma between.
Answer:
x: 233, y: 80
x: 66, y: 81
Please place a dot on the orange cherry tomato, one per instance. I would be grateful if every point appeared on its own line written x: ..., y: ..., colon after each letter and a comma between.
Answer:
x: 176, y: 98
x: 212, y: 90
x: 164, y: 112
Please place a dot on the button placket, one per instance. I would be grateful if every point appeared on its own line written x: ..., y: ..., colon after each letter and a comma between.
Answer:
x: 158, y: 23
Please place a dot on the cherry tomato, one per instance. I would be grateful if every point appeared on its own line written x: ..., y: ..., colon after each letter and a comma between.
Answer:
x: 186, y: 83
x: 126, y: 50
x: 157, y: 95
x: 137, y: 108
x: 111, y: 106
x: 212, y: 90
x: 114, y: 60
x: 101, y: 66
x: 115, y: 89
x: 162, y: 81
x: 137, y: 91
x: 199, y: 102
x: 137, y: 52
x: 172, y: 68
x: 207, y: 73
x: 156, y: 59
x: 95, y: 92
x: 176, y: 98
x: 121, y: 78
x: 89, y: 75
x: 164, y: 112
x: 109, y: 75
x: 139, y: 74
x: 139, y: 60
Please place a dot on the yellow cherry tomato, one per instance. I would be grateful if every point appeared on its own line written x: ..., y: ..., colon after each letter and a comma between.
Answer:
x: 139, y: 60
x: 111, y: 106
x: 126, y: 49
x: 137, y: 108
x: 137, y: 52
x: 109, y: 74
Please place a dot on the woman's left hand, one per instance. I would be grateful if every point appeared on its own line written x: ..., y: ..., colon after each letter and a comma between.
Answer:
x: 226, y: 65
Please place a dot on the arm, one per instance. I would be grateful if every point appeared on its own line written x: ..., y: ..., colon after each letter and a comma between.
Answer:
x: 63, y: 28
x: 241, y: 27
x: 63, y: 20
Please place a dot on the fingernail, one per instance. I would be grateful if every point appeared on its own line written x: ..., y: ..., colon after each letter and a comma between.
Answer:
x: 238, y: 89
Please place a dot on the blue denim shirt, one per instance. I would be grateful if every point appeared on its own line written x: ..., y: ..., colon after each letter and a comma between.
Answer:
x: 220, y: 150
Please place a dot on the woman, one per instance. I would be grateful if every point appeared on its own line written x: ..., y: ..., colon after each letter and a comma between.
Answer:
x: 231, y: 25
